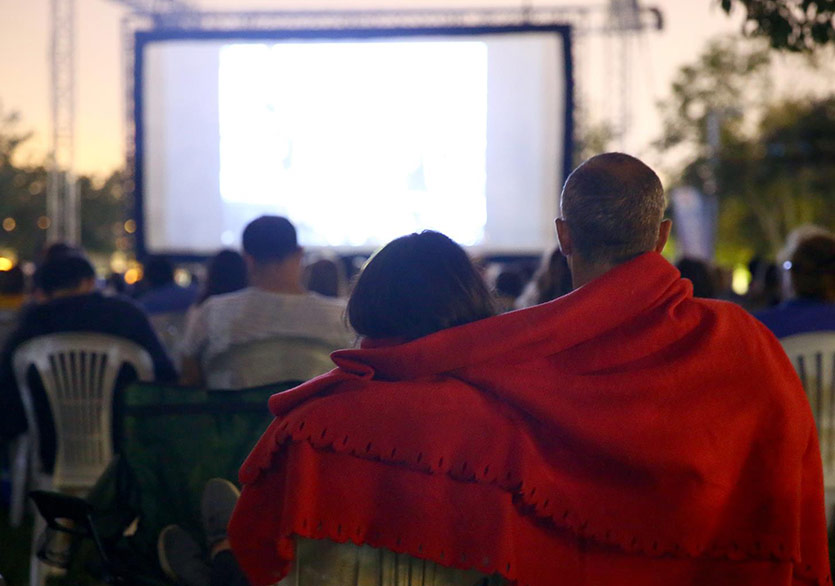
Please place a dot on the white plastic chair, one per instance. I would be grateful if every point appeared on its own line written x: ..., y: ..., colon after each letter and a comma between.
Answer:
x: 813, y: 357
x: 78, y: 372
x: 262, y: 362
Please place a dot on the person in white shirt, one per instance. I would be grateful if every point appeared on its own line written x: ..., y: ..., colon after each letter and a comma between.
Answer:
x: 272, y: 331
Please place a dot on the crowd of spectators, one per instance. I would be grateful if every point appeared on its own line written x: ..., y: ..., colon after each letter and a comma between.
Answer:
x: 424, y: 320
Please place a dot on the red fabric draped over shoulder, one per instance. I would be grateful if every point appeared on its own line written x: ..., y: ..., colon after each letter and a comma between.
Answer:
x: 626, y: 433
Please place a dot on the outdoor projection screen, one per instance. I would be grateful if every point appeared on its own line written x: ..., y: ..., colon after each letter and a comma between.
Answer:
x: 358, y: 137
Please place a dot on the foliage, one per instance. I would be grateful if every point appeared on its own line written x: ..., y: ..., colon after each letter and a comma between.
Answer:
x: 771, y: 168
x: 22, y: 192
x: 592, y: 139
x: 794, y: 25
x: 23, y: 200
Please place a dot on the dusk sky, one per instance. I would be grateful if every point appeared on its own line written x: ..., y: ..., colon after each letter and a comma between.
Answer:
x: 24, y: 67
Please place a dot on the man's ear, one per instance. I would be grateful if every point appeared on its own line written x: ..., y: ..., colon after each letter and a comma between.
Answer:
x: 564, y: 237
x: 663, y: 235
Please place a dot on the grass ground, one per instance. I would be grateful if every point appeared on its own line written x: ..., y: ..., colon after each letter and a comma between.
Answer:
x: 15, y: 544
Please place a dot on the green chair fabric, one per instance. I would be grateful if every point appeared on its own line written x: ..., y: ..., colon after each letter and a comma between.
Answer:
x: 170, y: 440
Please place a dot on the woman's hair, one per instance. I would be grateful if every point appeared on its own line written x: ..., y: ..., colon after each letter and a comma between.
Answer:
x: 226, y: 273
x: 416, y: 285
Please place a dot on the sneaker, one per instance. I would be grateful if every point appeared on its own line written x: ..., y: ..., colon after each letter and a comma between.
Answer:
x: 219, y: 499
x: 181, y: 557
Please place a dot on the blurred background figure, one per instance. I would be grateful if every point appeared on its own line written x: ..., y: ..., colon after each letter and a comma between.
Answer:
x: 700, y: 274
x: 551, y: 280
x: 811, y: 271
x: 115, y: 284
x: 508, y: 286
x: 162, y: 294
x: 765, y: 290
x: 326, y: 276
x: 225, y: 273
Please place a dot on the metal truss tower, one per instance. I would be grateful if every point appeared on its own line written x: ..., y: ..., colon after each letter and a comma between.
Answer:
x: 61, y: 193
x: 626, y: 23
x: 62, y: 204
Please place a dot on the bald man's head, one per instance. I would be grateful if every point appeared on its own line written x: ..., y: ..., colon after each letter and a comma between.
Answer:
x: 613, y: 205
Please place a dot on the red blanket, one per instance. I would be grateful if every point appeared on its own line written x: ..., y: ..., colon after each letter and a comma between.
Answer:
x: 626, y: 433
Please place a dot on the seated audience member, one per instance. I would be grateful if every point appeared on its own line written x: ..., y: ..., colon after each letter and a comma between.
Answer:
x: 414, y: 286
x: 306, y: 326
x: 627, y: 433
x: 811, y: 307
x: 509, y: 285
x: 71, y: 304
x: 325, y: 276
x: 764, y: 290
x: 551, y: 280
x: 225, y: 273
x: 162, y: 294
x: 698, y: 272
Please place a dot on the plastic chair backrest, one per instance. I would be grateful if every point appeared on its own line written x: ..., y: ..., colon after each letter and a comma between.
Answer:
x: 264, y: 362
x: 78, y: 372
x: 813, y: 357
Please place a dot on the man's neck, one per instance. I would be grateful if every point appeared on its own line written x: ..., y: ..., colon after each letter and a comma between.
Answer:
x: 583, y: 273
x: 276, y: 280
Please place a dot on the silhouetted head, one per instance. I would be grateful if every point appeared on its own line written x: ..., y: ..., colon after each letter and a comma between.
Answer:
x: 812, y: 268
x: 66, y: 274
x: 226, y: 272
x: 158, y: 271
x: 270, y: 239
x: 699, y: 273
x: 325, y: 276
x: 612, y: 210
x: 416, y: 285
x: 58, y: 249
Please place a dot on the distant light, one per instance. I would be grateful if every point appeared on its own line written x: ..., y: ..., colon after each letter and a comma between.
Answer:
x: 182, y: 277
x: 6, y: 264
x: 132, y: 276
x: 741, y: 280
x: 118, y: 262
x: 44, y: 222
x: 9, y: 224
x: 787, y: 266
x: 130, y: 226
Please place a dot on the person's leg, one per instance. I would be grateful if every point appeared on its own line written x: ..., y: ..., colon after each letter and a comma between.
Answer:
x: 219, y: 499
x: 181, y: 557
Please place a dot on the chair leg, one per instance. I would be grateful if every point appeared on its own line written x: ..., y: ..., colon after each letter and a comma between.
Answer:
x: 37, y: 569
x: 19, y: 454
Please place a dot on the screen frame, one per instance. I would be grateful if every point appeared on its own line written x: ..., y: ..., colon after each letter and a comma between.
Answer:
x: 144, y: 38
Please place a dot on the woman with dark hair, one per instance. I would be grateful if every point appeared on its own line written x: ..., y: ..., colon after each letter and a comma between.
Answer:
x: 416, y: 285
x: 414, y: 289
x: 225, y: 273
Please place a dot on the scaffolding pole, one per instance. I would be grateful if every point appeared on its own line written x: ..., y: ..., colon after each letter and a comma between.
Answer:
x: 61, y: 192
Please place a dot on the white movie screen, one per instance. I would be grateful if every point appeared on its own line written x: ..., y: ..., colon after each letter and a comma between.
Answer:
x: 356, y: 141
